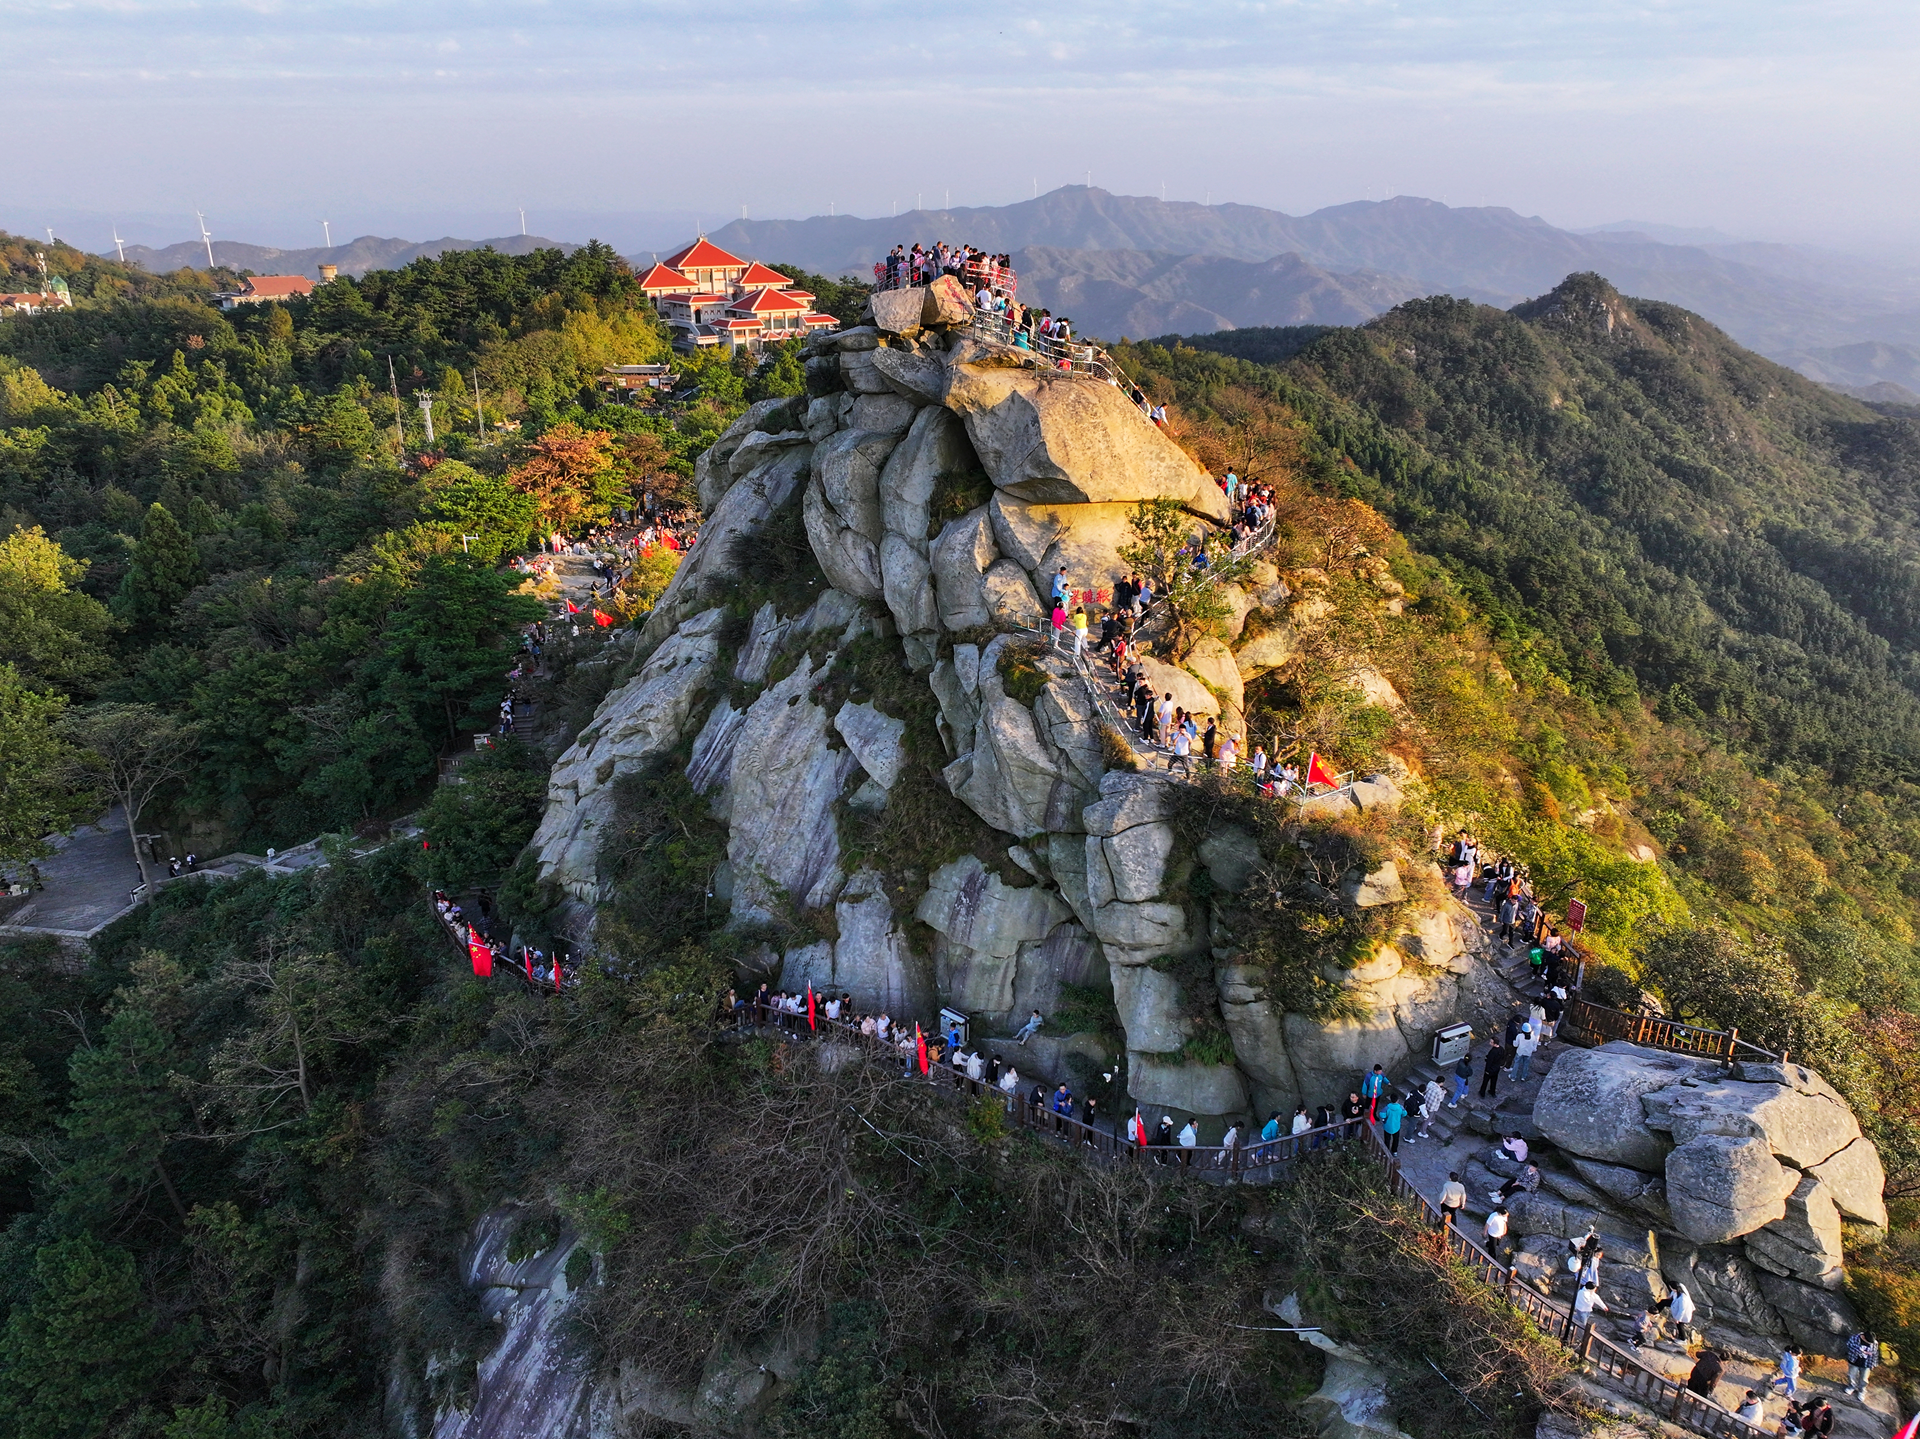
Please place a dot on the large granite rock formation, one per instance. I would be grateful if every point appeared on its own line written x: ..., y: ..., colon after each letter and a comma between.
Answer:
x: 941, y: 484
x: 1744, y: 1173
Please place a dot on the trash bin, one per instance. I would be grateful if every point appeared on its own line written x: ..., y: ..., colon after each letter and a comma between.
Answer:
x: 1450, y: 1043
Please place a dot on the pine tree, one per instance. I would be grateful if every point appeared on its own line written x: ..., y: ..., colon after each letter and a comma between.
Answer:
x: 164, y: 568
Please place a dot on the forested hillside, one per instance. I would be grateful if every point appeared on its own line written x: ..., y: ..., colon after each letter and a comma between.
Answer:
x: 254, y: 541
x: 1694, y: 568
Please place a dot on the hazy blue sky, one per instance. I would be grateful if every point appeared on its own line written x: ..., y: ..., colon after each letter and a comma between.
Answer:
x: 434, y: 116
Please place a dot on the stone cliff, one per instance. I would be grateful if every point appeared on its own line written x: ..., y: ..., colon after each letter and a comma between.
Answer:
x: 939, y: 484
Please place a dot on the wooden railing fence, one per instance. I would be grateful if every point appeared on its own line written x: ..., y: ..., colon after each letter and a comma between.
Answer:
x: 1586, y: 1021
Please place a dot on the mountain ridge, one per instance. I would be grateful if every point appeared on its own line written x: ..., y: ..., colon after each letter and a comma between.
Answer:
x: 356, y: 257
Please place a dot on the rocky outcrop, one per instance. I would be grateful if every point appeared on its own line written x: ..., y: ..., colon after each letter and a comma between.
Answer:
x: 1736, y: 1168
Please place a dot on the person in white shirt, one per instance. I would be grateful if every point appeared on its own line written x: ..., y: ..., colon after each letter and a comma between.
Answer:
x: 1514, y: 1148
x: 1228, y: 753
x: 1010, y: 1080
x: 1190, y: 1134
x: 976, y: 1067
x: 1588, y: 1300
x: 1301, y: 1122
x: 1497, y: 1244
x: 833, y: 1009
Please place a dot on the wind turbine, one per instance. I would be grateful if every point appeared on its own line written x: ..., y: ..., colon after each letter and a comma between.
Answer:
x: 119, y: 244
x: 206, y: 237
x: 326, y: 228
x: 523, y: 219
x: 50, y: 239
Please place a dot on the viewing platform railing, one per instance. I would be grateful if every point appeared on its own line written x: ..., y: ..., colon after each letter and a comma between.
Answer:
x: 1587, y: 1022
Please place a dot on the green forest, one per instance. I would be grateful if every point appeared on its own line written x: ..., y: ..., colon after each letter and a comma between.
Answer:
x: 1656, y: 639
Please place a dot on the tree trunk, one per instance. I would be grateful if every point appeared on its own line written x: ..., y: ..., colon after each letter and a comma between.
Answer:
x: 133, y: 837
x: 172, y: 1193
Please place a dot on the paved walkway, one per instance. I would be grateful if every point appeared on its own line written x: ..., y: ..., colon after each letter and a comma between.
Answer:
x: 89, y: 879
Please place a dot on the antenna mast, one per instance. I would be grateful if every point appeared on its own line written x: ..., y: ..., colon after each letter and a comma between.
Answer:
x: 206, y: 237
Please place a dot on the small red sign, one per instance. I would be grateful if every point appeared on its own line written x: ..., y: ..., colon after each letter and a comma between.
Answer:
x: 1576, y: 915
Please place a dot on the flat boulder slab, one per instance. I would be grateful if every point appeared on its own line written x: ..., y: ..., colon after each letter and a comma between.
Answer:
x: 1721, y: 1186
x: 1382, y: 886
x: 1083, y: 540
x: 1819, y: 1318
x: 1201, y: 1089
x: 1589, y: 1103
x: 876, y: 739
x: 897, y: 312
x: 1804, y: 1126
x: 919, y: 376
x: 1071, y: 440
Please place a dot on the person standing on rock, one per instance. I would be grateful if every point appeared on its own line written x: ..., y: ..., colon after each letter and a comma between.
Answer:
x: 1182, y: 752
x: 1490, y: 1071
x: 1706, y: 1373
x: 1431, y: 1098
x: 1585, y: 1302
x: 1059, y: 622
x: 1863, y: 1355
x: 1453, y: 1199
x: 1079, y: 631
x: 1788, y: 1379
x: 1163, y: 719
x: 1524, y: 1044
x: 1372, y: 1089
x: 1680, y: 1312
x: 1498, y: 1244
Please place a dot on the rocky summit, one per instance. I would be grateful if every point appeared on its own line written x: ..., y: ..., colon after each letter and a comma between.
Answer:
x: 941, y: 484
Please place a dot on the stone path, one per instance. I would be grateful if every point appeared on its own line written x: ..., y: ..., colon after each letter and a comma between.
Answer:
x: 89, y: 879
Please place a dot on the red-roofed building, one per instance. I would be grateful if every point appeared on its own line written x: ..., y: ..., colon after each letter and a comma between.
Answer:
x: 711, y: 297
x: 258, y: 288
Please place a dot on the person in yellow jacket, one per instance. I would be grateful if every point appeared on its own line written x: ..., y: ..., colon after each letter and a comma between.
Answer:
x: 1079, y: 631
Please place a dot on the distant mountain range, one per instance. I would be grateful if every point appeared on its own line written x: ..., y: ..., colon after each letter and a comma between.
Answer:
x: 1121, y: 264
x: 1131, y: 265
x: 356, y: 257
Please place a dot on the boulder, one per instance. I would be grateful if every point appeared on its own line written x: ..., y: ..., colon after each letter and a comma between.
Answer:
x: 1329, y: 1058
x: 783, y: 838
x: 1151, y: 1009
x: 906, y: 583
x: 1819, y: 1318
x: 1010, y: 599
x: 1376, y: 792
x: 1721, y: 1186
x: 961, y: 557
x: 1382, y: 886
x: 1213, y: 663
x: 1136, y: 861
x: 1728, y: 1302
x: 1008, y: 777
x: 850, y: 341
x: 1336, y: 804
x: 1067, y: 722
x: 897, y: 312
x: 1136, y: 933
x: 1857, y: 1182
x: 877, y: 740
x: 1200, y: 1089
x: 823, y: 417
x: 1084, y: 540
x: 1589, y: 1103
x: 858, y: 374
x: 850, y: 561
x: 882, y: 414
x: 871, y: 959
x: 758, y: 446
x: 984, y: 923
x: 648, y: 715
x: 712, y: 471
x: 919, y: 376
x: 1268, y: 650
x: 1188, y: 693
x: 1803, y: 1127
x: 847, y: 468
x: 1257, y: 1028
x: 935, y: 450
x: 945, y: 303
x: 1805, y: 1243
x: 1128, y: 798
x: 1064, y: 439
x: 740, y: 513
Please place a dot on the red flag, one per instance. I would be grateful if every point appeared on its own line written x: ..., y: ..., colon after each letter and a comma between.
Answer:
x: 600, y: 619
x: 481, y: 955
x: 572, y: 608
x: 920, y: 1040
x: 556, y: 974
x: 1909, y: 1429
x: 810, y: 1020
x: 527, y: 955
x: 1317, y: 772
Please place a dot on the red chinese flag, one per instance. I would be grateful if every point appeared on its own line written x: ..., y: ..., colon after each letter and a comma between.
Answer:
x: 811, y: 1024
x: 602, y: 620
x: 1317, y: 772
x: 481, y: 955
x: 527, y: 955
x: 572, y: 608
x: 920, y: 1040
x: 556, y: 974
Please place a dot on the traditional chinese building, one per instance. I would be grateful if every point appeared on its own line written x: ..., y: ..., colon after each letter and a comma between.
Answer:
x: 710, y: 297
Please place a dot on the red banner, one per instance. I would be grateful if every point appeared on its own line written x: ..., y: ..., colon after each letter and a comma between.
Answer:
x: 1576, y: 915
x: 1317, y: 772
x: 482, y: 956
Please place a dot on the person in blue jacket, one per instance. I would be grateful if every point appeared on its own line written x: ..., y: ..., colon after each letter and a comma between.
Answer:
x: 1391, y: 1118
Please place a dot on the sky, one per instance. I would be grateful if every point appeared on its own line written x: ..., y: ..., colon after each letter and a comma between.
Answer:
x: 638, y: 119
